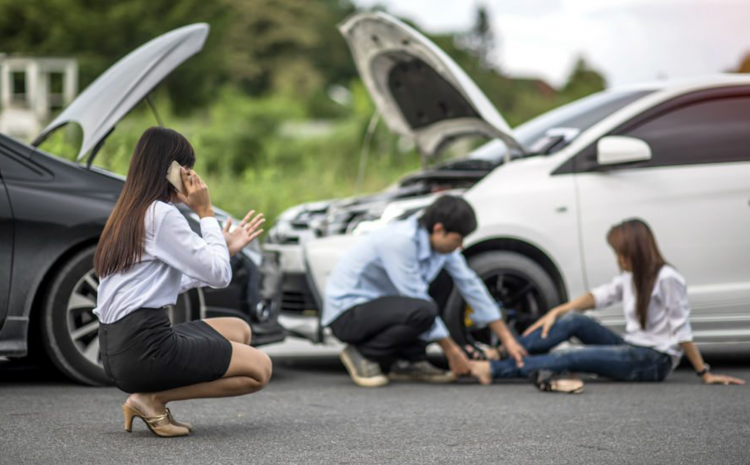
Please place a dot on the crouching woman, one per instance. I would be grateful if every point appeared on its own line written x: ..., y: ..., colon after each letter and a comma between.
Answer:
x: 146, y: 256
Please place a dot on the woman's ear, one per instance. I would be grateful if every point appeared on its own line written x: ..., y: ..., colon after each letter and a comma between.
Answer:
x: 623, y: 262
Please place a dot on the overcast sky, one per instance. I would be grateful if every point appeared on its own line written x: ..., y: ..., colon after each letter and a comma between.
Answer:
x: 628, y: 40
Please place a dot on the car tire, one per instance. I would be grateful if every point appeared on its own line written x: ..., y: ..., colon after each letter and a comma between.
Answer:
x: 524, y: 288
x: 69, y: 329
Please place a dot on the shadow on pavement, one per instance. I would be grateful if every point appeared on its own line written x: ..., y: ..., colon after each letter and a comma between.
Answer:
x: 288, y: 366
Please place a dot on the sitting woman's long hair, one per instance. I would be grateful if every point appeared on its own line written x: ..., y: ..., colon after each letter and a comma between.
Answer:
x: 122, y: 242
x: 634, y: 242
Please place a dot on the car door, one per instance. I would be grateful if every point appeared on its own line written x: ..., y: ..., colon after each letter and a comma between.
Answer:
x: 693, y: 193
x: 6, y: 247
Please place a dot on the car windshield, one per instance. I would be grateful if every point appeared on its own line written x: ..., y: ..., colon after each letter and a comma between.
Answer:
x: 565, y: 122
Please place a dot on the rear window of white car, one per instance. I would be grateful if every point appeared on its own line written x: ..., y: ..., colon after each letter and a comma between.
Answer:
x: 572, y: 119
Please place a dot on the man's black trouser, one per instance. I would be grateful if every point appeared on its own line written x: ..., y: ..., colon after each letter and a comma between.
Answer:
x: 387, y: 329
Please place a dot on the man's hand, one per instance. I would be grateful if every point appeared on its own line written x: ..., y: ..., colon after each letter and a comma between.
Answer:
x: 515, y: 351
x: 509, y: 342
x: 458, y: 362
x: 244, y: 233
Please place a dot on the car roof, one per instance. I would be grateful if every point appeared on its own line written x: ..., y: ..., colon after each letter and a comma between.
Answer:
x: 688, y: 83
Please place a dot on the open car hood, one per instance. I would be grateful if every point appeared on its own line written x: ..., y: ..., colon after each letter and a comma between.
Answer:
x: 419, y: 90
x: 108, y: 99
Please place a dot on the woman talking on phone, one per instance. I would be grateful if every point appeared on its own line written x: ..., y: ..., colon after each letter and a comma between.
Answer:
x: 147, y: 255
x: 657, y: 331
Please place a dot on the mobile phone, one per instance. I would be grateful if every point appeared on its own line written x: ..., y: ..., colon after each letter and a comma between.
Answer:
x: 174, y: 176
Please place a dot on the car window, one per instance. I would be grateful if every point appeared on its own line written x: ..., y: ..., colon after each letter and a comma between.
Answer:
x: 579, y: 115
x: 573, y: 119
x: 709, y: 131
x: 15, y: 167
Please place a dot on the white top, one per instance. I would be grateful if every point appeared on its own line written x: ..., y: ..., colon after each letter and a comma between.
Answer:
x: 175, y: 259
x: 667, y: 319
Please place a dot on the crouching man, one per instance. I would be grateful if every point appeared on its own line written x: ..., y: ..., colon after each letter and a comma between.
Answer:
x: 379, y: 300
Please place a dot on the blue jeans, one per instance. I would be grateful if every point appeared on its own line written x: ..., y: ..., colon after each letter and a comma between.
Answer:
x: 605, y: 354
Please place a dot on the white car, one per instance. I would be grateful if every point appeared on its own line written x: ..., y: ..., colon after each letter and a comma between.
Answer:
x: 674, y: 153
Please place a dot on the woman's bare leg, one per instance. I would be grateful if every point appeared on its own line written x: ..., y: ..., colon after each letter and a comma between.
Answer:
x: 234, y: 329
x: 249, y: 371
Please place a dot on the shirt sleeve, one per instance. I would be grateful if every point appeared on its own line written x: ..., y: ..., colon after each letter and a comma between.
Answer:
x: 608, y: 294
x: 400, y: 261
x: 674, y: 293
x: 205, y: 259
x: 187, y: 283
x: 473, y: 290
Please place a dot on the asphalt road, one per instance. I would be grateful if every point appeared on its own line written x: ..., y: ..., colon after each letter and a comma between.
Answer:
x: 312, y: 413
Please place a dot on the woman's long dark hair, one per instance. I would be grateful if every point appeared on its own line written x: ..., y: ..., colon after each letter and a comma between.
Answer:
x: 634, y: 241
x: 122, y: 242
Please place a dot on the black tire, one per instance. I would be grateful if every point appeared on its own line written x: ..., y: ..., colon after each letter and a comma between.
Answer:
x: 69, y: 328
x: 523, y: 287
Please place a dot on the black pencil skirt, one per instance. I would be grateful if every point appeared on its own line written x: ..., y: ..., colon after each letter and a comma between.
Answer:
x: 143, y: 352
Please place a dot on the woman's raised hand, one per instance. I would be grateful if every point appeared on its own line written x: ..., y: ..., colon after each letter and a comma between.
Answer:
x: 197, y: 197
x: 243, y: 234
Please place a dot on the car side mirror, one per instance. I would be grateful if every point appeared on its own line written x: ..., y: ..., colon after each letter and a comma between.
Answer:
x: 614, y: 150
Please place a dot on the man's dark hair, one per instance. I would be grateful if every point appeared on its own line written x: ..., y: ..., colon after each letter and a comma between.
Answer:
x: 455, y: 214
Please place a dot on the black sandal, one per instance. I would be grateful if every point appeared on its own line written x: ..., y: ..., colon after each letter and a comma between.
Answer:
x: 473, y: 353
x: 548, y: 381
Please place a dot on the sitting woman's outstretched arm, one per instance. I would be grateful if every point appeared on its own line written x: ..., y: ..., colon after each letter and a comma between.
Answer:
x: 584, y: 302
x: 694, y: 355
x: 599, y: 297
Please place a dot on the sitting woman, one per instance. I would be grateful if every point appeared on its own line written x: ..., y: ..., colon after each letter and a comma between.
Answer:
x: 147, y: 255
x: 657, y: 333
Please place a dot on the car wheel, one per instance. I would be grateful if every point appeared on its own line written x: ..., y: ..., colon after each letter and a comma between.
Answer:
x: 520, y: 285
x: 69, y: 328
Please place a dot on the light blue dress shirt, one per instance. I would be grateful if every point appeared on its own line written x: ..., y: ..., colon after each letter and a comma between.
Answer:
x: 399, y: 261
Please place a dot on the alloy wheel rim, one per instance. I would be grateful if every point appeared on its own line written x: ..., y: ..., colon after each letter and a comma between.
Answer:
x: 521, y: 301
x: 83, y: 325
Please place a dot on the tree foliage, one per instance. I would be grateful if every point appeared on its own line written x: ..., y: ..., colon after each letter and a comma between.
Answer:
x: 258, y: 44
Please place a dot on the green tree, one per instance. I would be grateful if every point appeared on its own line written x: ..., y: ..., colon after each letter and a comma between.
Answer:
x: 261, y: 45
x: 583, y: 80
x: 480, y: 40
x: 98, y: 33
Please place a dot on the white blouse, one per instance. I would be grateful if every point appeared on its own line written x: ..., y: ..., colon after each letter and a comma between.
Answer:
x: 667, y: 319
x: 175, y: 259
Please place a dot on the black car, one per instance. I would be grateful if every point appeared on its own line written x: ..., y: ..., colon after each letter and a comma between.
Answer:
x: 52, y: 212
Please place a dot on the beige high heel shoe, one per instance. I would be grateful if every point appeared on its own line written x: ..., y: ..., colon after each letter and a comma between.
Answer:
x: 166, y: 430
x: 174, y: 421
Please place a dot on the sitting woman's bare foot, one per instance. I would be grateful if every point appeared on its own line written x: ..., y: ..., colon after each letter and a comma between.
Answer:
x: 481, y: 371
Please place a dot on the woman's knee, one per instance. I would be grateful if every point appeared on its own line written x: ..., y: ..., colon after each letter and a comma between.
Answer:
x: 254, y: 377
x: 572, y: 316
x: 573, y: 319
x: 263, y: 372
x: 246, y: 330
x: 266, y: 369
x: 242, y: 329
x: 232, y: 328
